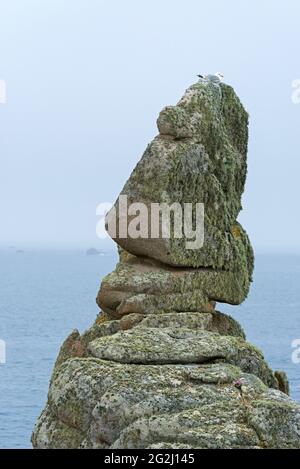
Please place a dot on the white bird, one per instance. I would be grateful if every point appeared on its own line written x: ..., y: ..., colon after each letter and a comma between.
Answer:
x: 216, y: 78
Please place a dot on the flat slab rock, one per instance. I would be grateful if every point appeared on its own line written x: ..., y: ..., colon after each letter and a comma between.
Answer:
x: 145, y: 286
x: 148, y: 345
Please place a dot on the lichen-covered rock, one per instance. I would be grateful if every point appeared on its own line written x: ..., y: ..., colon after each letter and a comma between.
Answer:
x: 160, y: 367
x: 200, y: 156
x: 101, y: 404
x: 78, y: 346
x: 283, y: 382
x: 168, y: 345
x: 144, y: 286
x: 51, y: 432
x: 173, y: 380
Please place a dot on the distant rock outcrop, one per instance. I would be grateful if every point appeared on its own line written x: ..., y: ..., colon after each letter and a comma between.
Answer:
x: 92, y: 252
x: 160, y: 367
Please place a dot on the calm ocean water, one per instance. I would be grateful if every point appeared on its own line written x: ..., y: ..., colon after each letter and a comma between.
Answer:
x: 44, y: 295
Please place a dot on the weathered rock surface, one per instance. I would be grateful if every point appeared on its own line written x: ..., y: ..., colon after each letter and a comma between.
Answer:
x: 160, y: 367
x: 157, y: 385
x: 144, y: 286
x: 200, y: 155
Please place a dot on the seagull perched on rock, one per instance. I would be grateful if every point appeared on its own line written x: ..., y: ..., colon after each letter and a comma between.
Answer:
x: 216, y: 78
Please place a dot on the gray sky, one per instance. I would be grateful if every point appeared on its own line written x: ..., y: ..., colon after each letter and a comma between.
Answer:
x: 86, y: 80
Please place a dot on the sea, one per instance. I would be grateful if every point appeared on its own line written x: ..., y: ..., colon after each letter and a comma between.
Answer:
x: 44, y: 295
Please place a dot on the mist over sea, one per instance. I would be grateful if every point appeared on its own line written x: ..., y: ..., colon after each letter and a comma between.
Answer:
x: 44, y: 295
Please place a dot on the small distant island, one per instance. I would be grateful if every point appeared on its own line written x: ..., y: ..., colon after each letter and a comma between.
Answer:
x: 92, y: 252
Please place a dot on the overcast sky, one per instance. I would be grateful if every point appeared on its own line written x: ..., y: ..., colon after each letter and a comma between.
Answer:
x: 86, y: 80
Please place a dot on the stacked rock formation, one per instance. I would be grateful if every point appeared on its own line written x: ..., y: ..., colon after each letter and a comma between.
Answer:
x: 161, y: 368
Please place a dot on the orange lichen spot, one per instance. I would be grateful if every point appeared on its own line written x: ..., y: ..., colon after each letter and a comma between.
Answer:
x: 101, y: 318
x: 236, y: 232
